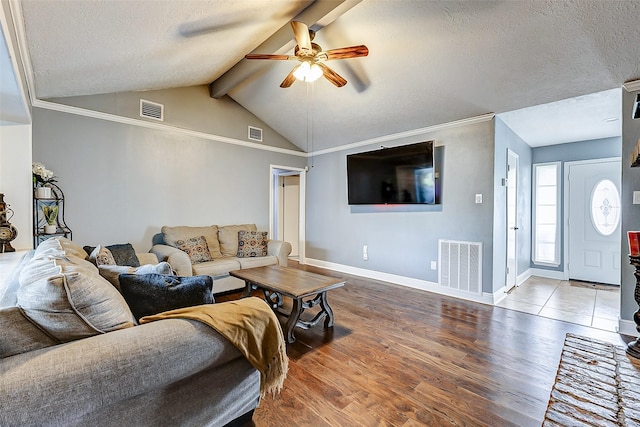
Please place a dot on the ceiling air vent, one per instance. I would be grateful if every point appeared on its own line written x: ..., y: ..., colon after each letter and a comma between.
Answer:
x: 636, y: 107
x: 151, y: 110
x: 255, y: 134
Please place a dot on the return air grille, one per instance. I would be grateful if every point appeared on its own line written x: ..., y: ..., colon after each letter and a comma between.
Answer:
x: 151, y: 110
x: 255, y: 134
x: 460, y: 265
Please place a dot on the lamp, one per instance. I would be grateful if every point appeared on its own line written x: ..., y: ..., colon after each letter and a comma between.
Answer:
x: 308, y: 72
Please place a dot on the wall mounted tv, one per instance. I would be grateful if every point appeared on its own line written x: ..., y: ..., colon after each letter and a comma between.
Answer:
x: 398, y: 175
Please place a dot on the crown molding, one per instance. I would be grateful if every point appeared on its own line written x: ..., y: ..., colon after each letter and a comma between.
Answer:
x: 632, y: 86
x: 399, y: 135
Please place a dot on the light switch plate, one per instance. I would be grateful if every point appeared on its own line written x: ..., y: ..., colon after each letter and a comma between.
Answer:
x: 636, y: 197
x: 478, y: 198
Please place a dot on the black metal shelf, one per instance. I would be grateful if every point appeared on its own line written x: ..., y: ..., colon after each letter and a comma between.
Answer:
x: 39, y: 221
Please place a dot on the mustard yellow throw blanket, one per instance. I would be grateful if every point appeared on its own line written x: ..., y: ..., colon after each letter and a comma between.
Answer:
x: 251, y: 326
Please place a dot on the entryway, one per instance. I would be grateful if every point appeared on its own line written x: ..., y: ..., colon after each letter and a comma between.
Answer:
x: 287, y: 208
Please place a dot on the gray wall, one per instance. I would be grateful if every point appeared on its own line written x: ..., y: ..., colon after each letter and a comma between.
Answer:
x: 123, y: 182
x: 572, y: 152
x: 187, y: 108
x: 404, y: 240
x: 630, y: 212
x: 507, y: 139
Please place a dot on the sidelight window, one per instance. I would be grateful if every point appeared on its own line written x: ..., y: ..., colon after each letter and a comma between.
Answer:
x: 546, y: 213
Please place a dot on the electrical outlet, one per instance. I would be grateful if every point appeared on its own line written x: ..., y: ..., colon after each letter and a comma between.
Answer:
x: 365, y: 252
x: 434, y: 265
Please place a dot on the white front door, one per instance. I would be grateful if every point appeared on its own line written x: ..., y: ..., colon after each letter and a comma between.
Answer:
x: 594, y: 221
x: 512, y: 215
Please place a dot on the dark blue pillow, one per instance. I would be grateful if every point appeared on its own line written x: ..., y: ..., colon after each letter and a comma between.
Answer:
x: 154, y: 293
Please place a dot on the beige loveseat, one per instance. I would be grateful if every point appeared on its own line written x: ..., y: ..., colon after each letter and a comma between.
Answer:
x: 222, y: 245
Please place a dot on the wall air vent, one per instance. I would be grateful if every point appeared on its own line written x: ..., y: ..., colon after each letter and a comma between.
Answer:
x: 460, y: 265
x: 151, y: 110
x: 636, y: 107
x: 255, y: 134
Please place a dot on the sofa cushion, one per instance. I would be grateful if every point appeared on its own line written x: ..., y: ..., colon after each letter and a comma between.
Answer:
x: 69, y: 300
x: 258, y: 261
x: 149, y: 294
x: 112, y: 272
x: 217, y: 267
x: 252, y: 244
x: 19, y: 335
x: 102, y: 256
x: 196, y: 248
x: 123, y: 254
x: 228, y: 237
x: 210, y: 233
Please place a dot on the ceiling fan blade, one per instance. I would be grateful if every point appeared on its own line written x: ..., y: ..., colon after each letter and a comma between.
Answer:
x: 301, y: 32
x: 347, y: 52
x: 268, y: 56
x: 288, y: 81
x: 332, y: 76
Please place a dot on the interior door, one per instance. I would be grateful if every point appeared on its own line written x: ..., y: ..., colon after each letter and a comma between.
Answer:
x: 291, y: 212
x: 594, y: 221
x: 512, y: 219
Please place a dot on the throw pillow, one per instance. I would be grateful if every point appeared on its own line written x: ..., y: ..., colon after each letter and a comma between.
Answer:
x: 123, y: 254
x: 102, y: 256
x: 228, y: 237
x: 112, y: 272
x: 210, y: 233
x: 72, y: 301
x: 252, y: 244
x: 196, y: 248
x: 149, y: 294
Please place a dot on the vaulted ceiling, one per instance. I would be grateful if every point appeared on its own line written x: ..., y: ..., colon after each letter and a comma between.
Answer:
x: 430, y: 62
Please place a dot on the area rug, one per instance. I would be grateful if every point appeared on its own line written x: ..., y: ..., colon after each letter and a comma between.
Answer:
x: 597, y: 384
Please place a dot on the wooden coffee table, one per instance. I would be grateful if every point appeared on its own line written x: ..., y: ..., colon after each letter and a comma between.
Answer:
x: 277, y: 281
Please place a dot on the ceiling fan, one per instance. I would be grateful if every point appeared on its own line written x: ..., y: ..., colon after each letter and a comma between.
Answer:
x: 311, y: 57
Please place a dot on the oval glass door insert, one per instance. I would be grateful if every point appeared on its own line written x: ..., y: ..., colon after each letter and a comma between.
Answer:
x: 605, y: 207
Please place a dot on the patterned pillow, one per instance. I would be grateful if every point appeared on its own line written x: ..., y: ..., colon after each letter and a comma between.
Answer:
x: 252, y: 244
x: 196, y: 248
x: 102, y: 256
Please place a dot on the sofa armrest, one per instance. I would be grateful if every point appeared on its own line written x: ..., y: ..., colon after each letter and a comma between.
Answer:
x: 62, y: 384
x: 147, y: 258
x: 280, y: 249
x: 178, y: 260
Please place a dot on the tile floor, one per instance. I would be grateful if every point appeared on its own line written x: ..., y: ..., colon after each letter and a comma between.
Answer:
x: 575, y: 302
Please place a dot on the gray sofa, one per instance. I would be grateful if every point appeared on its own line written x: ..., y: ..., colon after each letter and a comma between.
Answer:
x: 221, y: 243
x: 70, y: 354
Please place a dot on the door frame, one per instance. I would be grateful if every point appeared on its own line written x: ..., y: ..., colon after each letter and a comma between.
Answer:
x: 509, y: 286
x: 275, y: 171
x: 565, y: 206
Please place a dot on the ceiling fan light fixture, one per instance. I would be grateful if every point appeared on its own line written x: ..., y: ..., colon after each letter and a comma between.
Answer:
x: 308, y: 72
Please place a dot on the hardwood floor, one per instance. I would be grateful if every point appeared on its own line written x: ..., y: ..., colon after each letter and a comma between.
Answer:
x: 404, y: 357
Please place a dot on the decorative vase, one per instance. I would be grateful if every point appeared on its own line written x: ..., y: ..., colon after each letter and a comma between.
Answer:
x: 50, y: 229
x: 43, y: 193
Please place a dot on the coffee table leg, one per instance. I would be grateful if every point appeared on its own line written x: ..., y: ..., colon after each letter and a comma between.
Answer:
x: 247, y: 289
x: 293, y: 319
x: 324, y: 304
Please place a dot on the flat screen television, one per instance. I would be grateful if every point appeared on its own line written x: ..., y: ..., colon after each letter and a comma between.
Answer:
x: 398, y: 175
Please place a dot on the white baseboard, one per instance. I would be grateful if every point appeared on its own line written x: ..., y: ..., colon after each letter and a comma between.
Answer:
x: 522, y: 277
x: 548, y: 274
x: 410, y: 282
x: 627, y: 327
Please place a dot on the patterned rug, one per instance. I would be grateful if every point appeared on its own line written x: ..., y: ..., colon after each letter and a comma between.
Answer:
x: 597, y: 384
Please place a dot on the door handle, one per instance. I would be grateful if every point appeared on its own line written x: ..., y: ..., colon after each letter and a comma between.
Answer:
x: 514, y: 228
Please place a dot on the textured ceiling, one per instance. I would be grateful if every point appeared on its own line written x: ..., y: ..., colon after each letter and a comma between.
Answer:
x: 430, y: 62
